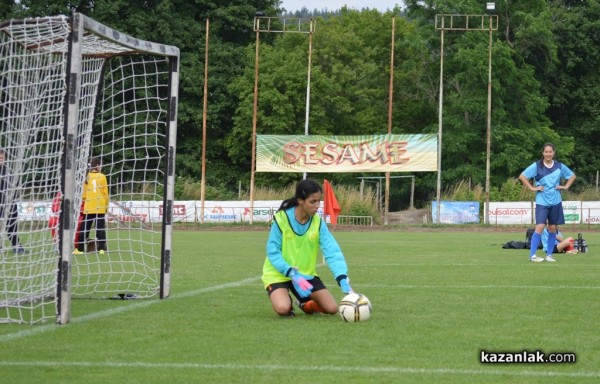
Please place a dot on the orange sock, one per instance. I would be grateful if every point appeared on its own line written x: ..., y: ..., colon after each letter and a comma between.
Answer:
x: 310, y: 307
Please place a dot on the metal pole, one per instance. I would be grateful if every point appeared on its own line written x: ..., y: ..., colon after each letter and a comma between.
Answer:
x: 254, y: 118
x: 70, y: 124
x: 412, y: 193
x: 378, y: 191
x: 439, y: 153
x: 489, y: 128
x: 390, y: 100
x: 362, y: 187
x: 310, y: 38
x: 204, y: 113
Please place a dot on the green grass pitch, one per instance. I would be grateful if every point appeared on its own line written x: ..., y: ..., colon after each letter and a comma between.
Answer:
x: 439, y: 298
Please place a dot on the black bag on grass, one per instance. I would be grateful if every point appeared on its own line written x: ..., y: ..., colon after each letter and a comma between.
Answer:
x: 528, y: 235
x: 515, y: 245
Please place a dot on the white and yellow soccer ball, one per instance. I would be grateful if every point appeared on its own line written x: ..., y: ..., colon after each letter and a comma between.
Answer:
x: 355, y: 307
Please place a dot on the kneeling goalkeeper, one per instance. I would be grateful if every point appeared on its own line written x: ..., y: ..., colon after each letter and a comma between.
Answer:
x: 296, y: 236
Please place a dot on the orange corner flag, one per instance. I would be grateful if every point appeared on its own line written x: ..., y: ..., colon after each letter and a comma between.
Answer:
x: 331, y: 206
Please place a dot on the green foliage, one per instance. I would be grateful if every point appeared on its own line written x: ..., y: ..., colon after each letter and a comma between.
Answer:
x: 190, y: 189
x: 573, y: 87
x: 511, y: 190
x: 463, y: 191
x: 544, y: 82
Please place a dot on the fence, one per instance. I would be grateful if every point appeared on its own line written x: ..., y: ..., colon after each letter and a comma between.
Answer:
x: 355, y: 220
x: 191, y: 212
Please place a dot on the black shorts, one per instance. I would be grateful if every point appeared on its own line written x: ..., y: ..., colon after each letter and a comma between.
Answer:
x: 315, y: 281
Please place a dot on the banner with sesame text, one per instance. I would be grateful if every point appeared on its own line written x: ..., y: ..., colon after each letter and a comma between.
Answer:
x: 343, y: 154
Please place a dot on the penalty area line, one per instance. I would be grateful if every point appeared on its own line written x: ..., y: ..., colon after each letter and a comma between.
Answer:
x: 408, y: 286
x: 37, y: 329
x: 320, y: 368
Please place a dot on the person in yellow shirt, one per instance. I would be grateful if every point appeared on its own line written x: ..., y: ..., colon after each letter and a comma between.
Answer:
x: 95, y: 205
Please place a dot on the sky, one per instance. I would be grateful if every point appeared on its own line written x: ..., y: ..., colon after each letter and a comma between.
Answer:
x: 381, y: 5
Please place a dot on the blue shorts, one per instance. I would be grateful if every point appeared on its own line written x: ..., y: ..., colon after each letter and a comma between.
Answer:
x: 552, y: 215
x: 315, y: 281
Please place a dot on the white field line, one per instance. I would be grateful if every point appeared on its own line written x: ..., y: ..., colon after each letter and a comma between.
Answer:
x: 34, y: 330
x: 312, y: 368
x: 495, y: 265
x: 415, y: 286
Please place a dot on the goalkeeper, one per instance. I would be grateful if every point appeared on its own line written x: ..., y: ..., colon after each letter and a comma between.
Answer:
x: 296, y: 236
x: 95, y: 205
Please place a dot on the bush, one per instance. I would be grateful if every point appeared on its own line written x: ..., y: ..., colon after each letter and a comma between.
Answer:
x: 189, y: 189
x: 511, y: 190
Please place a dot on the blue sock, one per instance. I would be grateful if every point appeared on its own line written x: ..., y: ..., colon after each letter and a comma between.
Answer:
x: 535, y: 242
x: 551, y: 240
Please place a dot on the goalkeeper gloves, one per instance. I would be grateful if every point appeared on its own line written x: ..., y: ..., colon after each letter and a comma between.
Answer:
x: 300, y: 282
x: 344, y: 282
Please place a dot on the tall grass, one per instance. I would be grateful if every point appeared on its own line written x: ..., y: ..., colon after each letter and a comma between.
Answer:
x: 511, y: 190
x: 352, y: 201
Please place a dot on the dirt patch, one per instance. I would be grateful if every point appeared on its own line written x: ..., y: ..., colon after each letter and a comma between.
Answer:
x: 410, y: 216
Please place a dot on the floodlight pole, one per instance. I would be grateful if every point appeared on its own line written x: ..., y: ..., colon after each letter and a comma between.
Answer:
x: 254, y: 117
x: 465, y: 23
x: 488, y: 149
x: 281, y: 25
x: 390, y: 100
x: 439, y: 143
x: 204, y: 114
x: 306, y: 118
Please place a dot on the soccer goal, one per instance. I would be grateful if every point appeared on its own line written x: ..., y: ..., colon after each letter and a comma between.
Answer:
x: 72, y: 89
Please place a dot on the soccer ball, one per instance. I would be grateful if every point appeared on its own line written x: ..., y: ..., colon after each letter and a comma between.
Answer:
x: 355, y: 307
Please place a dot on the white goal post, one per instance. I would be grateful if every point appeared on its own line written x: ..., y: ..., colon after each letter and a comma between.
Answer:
x: 72, y: 89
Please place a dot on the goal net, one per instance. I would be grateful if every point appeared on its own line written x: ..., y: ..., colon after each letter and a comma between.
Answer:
x: 73, y: 89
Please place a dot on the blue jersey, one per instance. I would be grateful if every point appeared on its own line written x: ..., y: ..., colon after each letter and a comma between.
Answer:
x: 549, y: 178
x: 327, y: 243
x: 545, y: 235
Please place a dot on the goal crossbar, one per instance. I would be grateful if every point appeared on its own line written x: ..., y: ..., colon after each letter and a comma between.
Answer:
x: 99, y: 39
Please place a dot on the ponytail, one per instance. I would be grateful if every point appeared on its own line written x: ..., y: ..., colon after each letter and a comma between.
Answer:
x: 304, y: 189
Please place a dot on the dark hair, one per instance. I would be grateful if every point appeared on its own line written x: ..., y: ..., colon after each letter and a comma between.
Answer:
x: 304, y: 189
x: 94, y: 162
x: 548, y: 145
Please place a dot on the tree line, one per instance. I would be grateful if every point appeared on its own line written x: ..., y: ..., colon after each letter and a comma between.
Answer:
x: 545, y: 81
